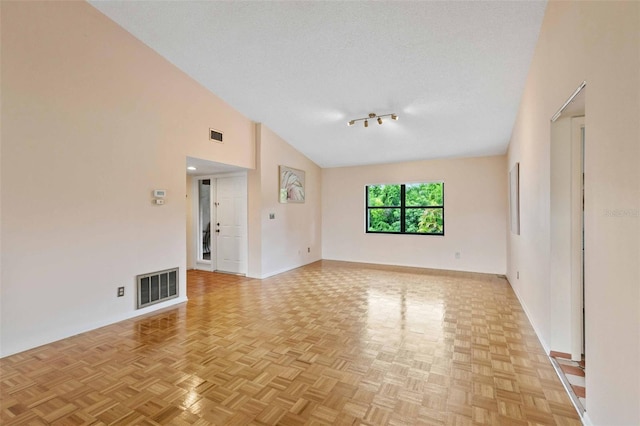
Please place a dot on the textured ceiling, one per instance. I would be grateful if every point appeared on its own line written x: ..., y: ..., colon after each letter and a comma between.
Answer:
x: 453, y: 71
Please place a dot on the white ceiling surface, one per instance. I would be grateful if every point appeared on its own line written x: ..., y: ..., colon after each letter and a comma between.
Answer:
x: 205, y: 167
x: 453, y: 71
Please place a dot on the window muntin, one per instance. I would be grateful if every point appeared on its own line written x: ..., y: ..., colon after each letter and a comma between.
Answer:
x: 415, y: 208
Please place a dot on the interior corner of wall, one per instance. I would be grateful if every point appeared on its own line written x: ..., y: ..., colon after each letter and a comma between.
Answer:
x: 254, y: 274
x: 257, y: 139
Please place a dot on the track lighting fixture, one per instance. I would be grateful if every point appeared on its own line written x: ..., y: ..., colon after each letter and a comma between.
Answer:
x: 372, y: 115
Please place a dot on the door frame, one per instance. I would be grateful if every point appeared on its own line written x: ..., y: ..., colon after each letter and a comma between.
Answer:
x: 212, y: 265
x: 566, y: 261
x: 578, y: 131
x: 202, y: 264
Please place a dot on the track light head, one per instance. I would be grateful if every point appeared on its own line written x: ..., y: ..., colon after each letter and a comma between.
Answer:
x: 371, y: 116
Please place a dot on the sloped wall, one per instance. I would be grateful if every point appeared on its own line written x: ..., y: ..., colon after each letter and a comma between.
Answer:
x: 92, y: 122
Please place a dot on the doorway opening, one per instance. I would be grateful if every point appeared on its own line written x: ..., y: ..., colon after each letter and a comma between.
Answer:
x: 567, y: 245
x: 204, y: 196
x: 205, y: 211
x: 217, y: 217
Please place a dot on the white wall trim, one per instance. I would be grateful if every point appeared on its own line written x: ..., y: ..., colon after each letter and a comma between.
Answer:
x: 586, y: 420
x: 283, y: 270
x: 278, y: 272
x: 220, y: 175
x: 412, y: 265
x: 544, y: 344
x: 60, y: 335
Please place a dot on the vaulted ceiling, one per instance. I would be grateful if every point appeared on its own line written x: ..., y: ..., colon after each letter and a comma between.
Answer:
x: 453, y: 71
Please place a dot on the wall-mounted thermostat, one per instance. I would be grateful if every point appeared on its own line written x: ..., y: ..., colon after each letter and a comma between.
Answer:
x: 159, y: 193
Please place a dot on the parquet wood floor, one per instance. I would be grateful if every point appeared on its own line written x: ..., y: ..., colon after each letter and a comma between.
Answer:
x: 329, y: 343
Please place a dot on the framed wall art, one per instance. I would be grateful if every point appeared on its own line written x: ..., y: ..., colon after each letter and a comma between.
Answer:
x: 291, y: 185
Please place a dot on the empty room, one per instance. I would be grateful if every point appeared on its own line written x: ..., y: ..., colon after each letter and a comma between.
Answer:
x: 290, y: 213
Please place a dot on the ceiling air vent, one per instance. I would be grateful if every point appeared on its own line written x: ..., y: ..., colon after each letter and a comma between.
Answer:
x: 215, y: 135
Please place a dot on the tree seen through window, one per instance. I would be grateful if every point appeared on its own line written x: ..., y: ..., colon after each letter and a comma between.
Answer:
x: 416, y: 208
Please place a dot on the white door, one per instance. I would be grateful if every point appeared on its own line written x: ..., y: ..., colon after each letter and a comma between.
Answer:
x: 231, y: 224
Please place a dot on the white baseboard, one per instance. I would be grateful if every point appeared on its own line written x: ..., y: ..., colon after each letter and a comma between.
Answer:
x: 411, y: 265
x: 69, y: 332
x: 283, y: 270
x: 586, y: 421
x: 544, y: 344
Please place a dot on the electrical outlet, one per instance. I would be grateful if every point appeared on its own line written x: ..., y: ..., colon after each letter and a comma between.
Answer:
x: 272, y: 215
x: 308, y: 249
x: 518, y: 275
x: 120, y: 291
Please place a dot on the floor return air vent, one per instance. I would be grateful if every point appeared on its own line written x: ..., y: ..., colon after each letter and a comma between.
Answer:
x: 157, y: 287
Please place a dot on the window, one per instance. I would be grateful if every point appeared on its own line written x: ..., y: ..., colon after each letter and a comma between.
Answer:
x: 412, y: 208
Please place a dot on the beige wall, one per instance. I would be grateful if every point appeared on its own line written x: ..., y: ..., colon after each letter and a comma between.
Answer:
x: 598, y: 42
x: 92, y: 122
x: 475, y: 215
x: 285, y: 240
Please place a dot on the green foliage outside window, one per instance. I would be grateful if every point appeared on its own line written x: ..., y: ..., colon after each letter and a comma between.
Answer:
x: 416, y: 208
